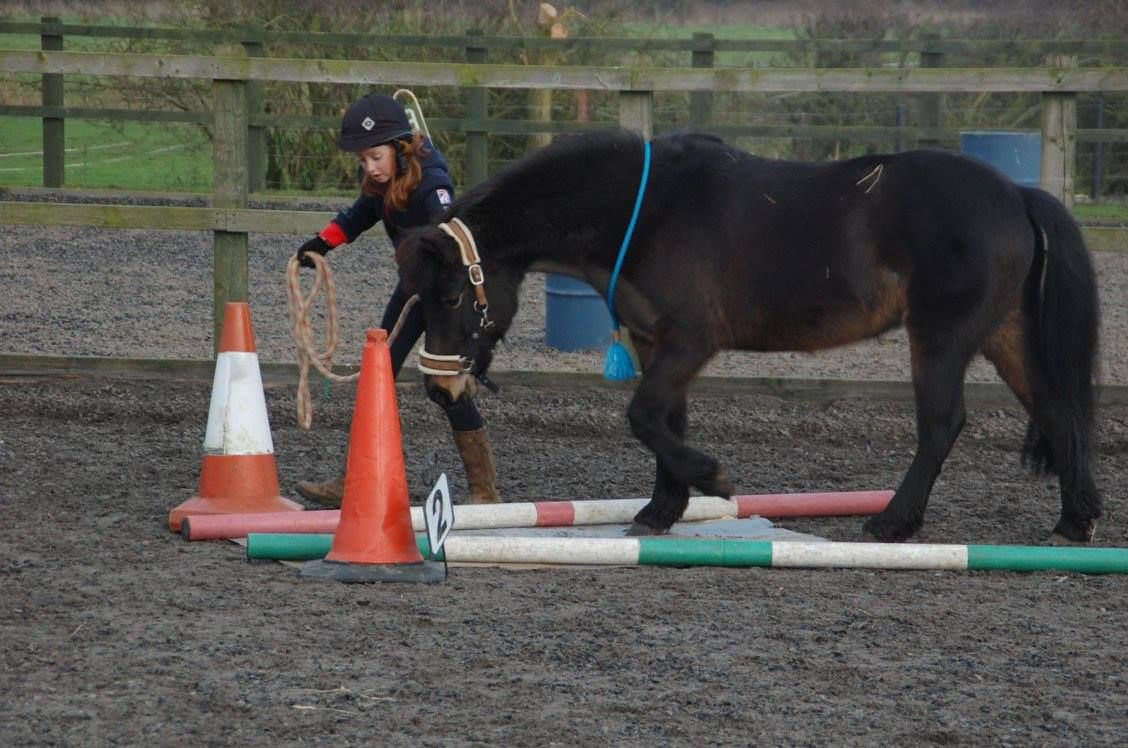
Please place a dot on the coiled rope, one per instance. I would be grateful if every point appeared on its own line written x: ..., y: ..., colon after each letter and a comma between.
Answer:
x: 299, y: 307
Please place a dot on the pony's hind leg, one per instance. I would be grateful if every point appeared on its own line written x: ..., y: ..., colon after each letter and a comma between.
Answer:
x: 1063, y: 444
x: 938, y: 362
x: 1057, y: 438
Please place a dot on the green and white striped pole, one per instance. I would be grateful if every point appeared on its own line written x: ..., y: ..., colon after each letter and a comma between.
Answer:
x: 734, y: 552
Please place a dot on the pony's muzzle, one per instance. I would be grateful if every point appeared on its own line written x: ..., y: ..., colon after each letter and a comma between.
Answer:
x: 446, y: 377
x: 449, y: 389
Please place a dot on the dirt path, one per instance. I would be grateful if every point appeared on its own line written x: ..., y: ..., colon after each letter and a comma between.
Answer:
x: 115, y: 631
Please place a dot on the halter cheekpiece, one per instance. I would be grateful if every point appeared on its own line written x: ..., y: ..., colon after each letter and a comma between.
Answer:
x: 446, y: 365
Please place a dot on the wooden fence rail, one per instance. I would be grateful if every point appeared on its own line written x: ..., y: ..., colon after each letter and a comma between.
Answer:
x: 474, y: 77
x: 232, y: 72
x: 923, y: 43
x: 929, y: 49
x: 577, y: 77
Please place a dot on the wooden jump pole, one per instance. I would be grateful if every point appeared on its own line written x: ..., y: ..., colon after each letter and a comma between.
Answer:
x: 554, y: 513
x: 726, y: 552
x: 733, y: 552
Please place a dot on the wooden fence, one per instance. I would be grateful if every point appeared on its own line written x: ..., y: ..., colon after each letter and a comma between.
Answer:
x: 234, y: 74
x: 928, y: 51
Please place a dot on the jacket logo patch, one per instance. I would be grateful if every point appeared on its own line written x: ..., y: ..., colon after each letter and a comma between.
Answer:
x: 444, y: 196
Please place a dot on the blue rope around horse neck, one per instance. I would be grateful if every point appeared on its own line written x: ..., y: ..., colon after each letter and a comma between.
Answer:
x: 627, y: 237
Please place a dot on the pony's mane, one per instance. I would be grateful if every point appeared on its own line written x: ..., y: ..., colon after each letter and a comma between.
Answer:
x: 566, y: 154
x: 568, y: 163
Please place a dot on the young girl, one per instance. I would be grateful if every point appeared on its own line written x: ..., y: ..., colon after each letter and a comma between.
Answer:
x: 405, y: 183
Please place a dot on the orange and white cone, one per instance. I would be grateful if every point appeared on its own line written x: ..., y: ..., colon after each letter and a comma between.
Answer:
x: 239, y: 474
x: 374, y: 540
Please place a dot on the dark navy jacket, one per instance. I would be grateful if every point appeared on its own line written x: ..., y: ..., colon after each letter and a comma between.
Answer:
x: 433, y: 195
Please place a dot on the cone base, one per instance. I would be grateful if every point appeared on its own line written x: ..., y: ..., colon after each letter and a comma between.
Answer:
x: 238, y: 505
x: 424, y: 572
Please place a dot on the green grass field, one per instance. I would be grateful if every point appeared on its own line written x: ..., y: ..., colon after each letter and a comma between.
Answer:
x: 734, y: 31
x: 1106, y: 211
x: 19, y: 41
x: 134, y: 156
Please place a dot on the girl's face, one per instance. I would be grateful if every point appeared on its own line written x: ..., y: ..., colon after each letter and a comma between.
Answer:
x: 378, y: 163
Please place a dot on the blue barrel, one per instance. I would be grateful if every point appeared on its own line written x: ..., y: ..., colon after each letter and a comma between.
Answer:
x: 575, y: 316
x: 1016, y: 154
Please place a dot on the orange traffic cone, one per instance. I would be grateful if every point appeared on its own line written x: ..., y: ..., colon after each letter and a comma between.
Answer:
x: 374, y: 541
x: 239, y: 473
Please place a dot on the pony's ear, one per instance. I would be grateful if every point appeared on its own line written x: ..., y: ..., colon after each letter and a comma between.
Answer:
x: 420, y: 254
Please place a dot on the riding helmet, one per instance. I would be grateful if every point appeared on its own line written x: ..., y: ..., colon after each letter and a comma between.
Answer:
x: 373, y: 120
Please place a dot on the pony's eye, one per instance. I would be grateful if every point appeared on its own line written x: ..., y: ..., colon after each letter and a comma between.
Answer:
x: 452, y: 301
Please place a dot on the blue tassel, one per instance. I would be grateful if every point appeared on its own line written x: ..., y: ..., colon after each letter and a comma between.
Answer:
x: 618, y: 366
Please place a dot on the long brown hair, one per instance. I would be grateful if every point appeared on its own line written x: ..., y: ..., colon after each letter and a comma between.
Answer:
x: 399, y: 188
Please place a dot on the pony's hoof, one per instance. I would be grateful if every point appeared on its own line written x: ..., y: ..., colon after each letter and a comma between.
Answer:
x: 638, y: 529
x: 1073, y: 532
x: 718, y: 486
x: 876, y: 532
x: 1060, y: 540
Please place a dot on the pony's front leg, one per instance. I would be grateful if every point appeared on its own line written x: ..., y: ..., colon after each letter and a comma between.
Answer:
x: 657, y: 414
x: 670, y: 496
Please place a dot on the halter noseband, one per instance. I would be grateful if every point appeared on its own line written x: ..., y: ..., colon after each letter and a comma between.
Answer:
x: 447, y: 365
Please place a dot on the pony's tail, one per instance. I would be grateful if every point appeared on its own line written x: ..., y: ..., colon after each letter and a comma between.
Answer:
x: 1062, y: 319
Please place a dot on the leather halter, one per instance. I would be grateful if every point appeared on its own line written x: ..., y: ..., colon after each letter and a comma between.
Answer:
x: 448, y: 365
x: 471, y: 260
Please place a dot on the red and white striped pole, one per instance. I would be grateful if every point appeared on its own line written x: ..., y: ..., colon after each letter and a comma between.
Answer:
x: 559, y: 513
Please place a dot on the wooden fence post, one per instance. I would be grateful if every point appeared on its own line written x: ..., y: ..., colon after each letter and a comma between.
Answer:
x: 229, y: 189
x: 636, y: 112
x: 902, y: 121
x: 477, y: 108
x: 540, y: 99
x: 929, y: 103
x: 1059, y: 136
x: 256, y: 134
x: 1098, y: 152
x: 701, y: 102
x: 54, y: 138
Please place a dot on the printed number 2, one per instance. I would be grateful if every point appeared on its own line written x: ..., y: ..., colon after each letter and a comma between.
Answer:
x: 437, y: 518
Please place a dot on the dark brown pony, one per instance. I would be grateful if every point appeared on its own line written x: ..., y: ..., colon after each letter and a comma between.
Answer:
x: 732, y: 251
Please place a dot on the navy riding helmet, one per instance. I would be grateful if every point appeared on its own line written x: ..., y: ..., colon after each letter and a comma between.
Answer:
x: 372, y: 120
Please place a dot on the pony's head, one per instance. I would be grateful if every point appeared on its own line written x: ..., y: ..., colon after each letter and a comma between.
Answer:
x: 468, y: 304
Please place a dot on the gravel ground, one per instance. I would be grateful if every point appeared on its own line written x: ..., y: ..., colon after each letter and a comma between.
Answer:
x: 113, y: 631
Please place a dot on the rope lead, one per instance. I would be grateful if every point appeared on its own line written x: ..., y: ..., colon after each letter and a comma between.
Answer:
x: 301, y: 321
